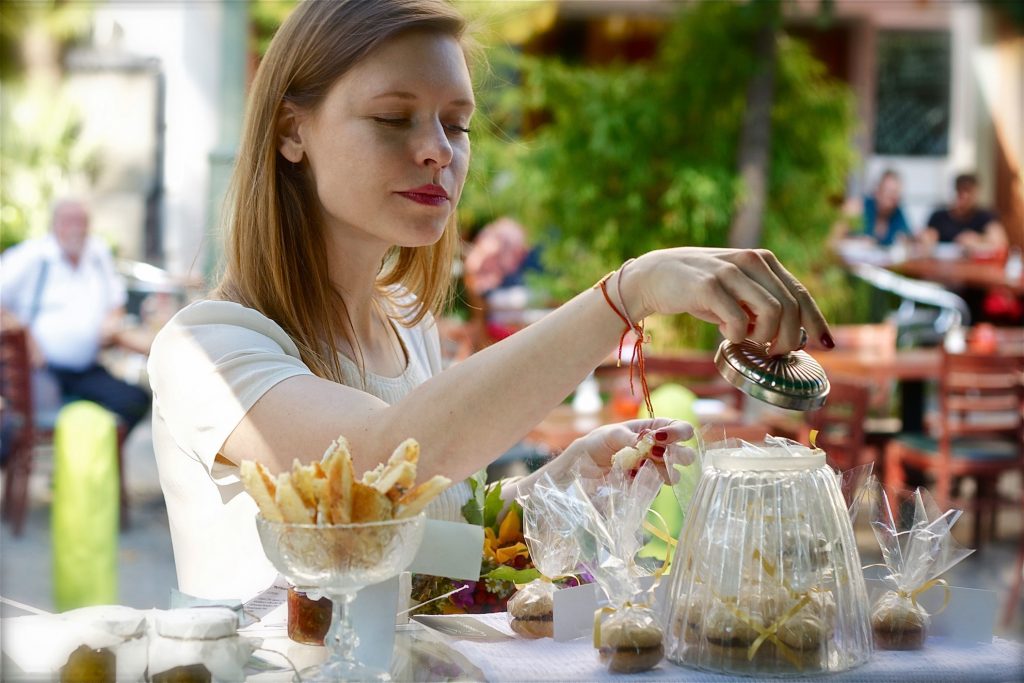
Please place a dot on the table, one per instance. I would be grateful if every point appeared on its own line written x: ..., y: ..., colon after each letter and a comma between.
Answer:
x: 959, y: 273
x: 422, y: 654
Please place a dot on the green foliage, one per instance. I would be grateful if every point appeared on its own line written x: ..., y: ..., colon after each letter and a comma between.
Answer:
x: 631, y: 158
x: 41, y: 156
x: 40, y: 151
x: 265, y: 17
x: 484, y: 505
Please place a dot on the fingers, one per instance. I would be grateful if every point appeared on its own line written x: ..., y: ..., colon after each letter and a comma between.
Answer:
x: 666, y: 430
x: 810, y: 315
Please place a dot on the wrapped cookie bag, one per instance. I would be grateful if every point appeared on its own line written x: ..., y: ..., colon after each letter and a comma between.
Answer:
x: 915, y: 555
x: 606, y: 516
x: 555, y: 553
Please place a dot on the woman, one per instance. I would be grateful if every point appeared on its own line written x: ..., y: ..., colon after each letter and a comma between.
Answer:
x: 354, y: 154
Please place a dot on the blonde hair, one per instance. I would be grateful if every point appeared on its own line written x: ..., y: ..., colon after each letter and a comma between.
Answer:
x: 275, y: 257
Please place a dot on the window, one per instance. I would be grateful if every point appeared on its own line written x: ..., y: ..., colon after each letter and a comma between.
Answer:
x: 912, y: 116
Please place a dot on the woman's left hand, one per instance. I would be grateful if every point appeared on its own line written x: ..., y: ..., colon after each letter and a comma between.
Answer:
x: 602, y: 443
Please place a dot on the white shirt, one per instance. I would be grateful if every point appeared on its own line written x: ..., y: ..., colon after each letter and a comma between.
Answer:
x: 208, y: 367
x: 73, y: 300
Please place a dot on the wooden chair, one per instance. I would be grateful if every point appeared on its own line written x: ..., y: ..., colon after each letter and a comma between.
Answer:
x: 840, y: 425
x: 697, y: 373
x: 16, y: 388
x: 980, y: 435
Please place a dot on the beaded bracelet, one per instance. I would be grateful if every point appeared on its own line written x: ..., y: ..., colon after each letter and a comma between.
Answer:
x: 638, y: 328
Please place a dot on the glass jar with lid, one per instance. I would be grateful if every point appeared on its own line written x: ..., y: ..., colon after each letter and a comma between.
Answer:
x: 766, y: 579
x: 197, y: 645
x: 113, y: 644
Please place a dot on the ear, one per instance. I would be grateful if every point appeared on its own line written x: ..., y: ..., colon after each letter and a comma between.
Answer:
x: 289, y: 138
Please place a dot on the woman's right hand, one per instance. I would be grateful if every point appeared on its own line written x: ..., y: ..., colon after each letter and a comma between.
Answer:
x: 747, y: 293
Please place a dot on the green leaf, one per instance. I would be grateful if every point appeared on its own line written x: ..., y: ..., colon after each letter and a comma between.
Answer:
x: 518, y: 576
x: 492, y: 506
x: 473, y: 510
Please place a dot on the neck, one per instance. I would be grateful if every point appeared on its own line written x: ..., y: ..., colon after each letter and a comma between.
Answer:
x: 353, y: 269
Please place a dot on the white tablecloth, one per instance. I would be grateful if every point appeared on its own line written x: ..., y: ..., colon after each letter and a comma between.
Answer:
x: 941, y: 661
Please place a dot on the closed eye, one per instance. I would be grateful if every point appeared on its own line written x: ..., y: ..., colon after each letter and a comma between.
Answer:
x: 392, y: 122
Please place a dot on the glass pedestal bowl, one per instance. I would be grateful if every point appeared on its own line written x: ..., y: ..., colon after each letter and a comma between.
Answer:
x: 767, y: 580
x: 339, y: 560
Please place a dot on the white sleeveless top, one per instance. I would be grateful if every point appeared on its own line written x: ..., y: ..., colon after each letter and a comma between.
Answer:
x: 208, y: 367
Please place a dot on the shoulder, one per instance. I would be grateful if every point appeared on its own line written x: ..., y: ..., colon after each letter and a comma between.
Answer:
x: 940, y: 215
x: 223, y: 325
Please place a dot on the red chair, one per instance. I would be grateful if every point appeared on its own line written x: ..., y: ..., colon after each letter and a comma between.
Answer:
x: 31, y: 430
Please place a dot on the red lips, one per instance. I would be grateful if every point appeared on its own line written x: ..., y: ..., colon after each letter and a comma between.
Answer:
x: 431, y: 195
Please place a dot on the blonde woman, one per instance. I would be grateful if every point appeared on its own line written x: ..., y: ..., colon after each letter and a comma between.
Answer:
x: 354, y: 154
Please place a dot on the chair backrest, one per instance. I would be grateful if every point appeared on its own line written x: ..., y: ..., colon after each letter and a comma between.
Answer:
x: 982, y: 396
x: 840, y: 423
x: 16, y: 383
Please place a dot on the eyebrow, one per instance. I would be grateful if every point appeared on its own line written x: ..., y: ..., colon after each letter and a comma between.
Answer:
x: 403, y: 95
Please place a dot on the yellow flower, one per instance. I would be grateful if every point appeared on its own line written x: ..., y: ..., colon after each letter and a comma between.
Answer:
x: 508, y: 544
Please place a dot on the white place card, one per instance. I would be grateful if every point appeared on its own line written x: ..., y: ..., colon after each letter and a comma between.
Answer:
x: 574, y: 607
x: 450, y: 549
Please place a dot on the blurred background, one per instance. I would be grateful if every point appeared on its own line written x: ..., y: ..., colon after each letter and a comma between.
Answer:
x: 605, y: 129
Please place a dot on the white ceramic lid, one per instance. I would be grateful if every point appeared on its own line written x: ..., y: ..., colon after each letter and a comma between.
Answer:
x: 775, y: 459
x: 117, y: 620
x: 196, y: 623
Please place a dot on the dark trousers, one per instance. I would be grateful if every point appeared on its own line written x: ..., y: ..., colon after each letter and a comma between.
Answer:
x: 129, y: 402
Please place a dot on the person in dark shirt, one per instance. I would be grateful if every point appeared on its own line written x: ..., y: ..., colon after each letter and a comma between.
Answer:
x: 965, y: 223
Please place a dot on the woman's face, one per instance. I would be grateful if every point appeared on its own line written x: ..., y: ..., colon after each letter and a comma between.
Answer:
x: 389, y: 146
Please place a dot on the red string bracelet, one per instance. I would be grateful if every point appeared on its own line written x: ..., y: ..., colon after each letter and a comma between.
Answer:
x: 638, y: 328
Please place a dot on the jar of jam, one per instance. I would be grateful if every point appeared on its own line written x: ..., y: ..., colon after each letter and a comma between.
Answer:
x: 308, y: 619
x: 120, y: 633
x: 90, y: 665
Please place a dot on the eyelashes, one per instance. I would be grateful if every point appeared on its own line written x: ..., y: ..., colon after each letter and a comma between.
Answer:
x: 403, y: 122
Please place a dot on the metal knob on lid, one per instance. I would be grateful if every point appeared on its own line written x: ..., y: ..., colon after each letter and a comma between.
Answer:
x: 790, y: 380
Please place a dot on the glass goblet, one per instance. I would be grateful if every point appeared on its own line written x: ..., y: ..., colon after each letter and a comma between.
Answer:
x: 340, y: 559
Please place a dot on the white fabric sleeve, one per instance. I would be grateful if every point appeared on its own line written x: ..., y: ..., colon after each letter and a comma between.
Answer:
x: 17, y: 264
x: 209, y: 366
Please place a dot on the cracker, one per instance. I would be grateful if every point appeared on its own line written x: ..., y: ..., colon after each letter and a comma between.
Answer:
x: 414, y: 502
x: 261, y: 487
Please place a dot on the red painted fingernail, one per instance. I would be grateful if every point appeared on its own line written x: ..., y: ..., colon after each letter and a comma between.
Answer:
x: 658, y: 452
x: 827, y: 341
x: 661, y: 436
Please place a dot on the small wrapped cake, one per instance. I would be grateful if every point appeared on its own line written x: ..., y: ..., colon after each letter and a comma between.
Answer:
x: 898, y: 623
x: 531, y: 611
x: 630, y: 640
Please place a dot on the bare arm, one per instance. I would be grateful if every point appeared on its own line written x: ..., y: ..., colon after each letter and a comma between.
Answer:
x: 475, y: 410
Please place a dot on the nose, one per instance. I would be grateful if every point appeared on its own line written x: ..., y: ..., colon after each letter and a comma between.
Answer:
x: 433, y: 147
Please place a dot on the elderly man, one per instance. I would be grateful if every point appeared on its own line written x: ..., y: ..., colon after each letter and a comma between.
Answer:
x: 64, y: 289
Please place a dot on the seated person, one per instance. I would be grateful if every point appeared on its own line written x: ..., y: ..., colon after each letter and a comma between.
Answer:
x: 965, y: 223
x: 881, y: 214
x: 496, y: 265
x: 64, y: 290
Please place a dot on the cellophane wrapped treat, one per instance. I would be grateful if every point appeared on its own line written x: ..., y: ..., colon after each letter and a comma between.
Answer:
x: 916, y: 553
x: 766, y: 580
x: 555, y: 553
x: 604, y: 517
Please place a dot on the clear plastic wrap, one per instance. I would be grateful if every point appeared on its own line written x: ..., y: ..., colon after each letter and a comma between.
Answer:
x: 555, y: 553
x: 914, y: 556
x: 766, y: 579
x: 603, y: 518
